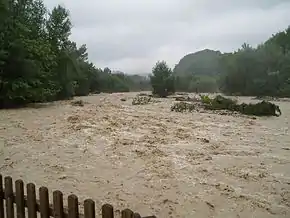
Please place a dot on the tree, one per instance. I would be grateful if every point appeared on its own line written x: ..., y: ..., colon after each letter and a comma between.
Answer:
x: 58, y: 28
x: 38, y: 61
x: 26, y: 56
x: 261, y: 71
x: 162, y: 80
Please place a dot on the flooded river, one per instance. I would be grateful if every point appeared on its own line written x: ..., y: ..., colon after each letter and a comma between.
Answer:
x: 152, y: 160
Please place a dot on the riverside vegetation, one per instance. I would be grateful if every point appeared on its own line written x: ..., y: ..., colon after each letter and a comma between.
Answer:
x: 39, y: 63
x: 187, y: 104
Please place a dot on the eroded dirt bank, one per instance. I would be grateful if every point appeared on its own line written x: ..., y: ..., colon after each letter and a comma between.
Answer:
x: 150, y: 159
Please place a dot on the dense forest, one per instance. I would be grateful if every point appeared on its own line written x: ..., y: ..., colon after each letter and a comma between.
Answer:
x: 39, y: 63
x: 260, y: 71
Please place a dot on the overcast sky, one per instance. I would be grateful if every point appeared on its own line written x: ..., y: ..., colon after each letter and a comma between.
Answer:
x: 131, y: 35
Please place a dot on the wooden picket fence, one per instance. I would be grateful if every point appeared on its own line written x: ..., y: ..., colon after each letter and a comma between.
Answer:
x: 44, y: 208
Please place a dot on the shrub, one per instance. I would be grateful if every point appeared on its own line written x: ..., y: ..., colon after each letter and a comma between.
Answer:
x: 220, y: 103
x: 263, y: 108
x: 205, y: 99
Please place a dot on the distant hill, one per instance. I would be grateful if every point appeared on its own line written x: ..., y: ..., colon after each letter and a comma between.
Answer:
x: 205, y: 62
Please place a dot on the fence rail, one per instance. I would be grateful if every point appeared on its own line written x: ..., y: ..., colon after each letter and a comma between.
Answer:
x: 44, y: 208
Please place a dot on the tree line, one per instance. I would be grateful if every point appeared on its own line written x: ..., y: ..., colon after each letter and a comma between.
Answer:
x: 260, y: 71
x: 250, y: 71
x: 39, y: 62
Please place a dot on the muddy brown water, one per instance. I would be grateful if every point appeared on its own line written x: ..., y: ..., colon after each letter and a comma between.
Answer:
x: 151, y: 160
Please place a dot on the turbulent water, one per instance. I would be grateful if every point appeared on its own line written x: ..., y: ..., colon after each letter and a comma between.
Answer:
x: 151, y: 160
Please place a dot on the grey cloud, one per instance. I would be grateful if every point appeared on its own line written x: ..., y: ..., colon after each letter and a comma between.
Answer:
x: 131, y: 35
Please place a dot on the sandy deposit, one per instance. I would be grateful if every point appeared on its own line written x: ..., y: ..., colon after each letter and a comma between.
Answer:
x: 152, y: 160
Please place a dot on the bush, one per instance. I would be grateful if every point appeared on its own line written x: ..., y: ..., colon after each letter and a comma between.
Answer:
x: 220, y: 103
x: 182, y: 107
x: 263, y: 108
x: 205, y: 99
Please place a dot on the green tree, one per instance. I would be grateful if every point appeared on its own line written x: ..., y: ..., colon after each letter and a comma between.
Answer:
x: 261, y: 71
x: 162, y: 79
x: 59, y: 29
x: 26, y: 55
x: 38, y: 61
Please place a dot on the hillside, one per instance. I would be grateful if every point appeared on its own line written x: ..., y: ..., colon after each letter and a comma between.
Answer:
x: 198, y: 72
x: 205, y: 62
